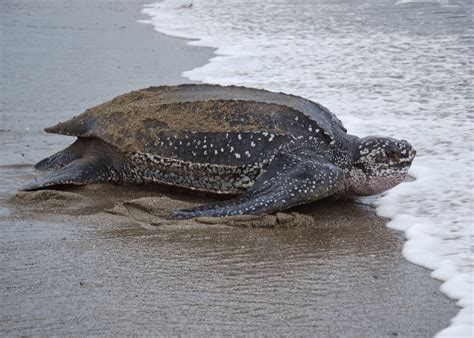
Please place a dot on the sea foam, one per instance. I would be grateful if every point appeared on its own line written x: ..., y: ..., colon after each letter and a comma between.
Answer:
x: 384, y: 69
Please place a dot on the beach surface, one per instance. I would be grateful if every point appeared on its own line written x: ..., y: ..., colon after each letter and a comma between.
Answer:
x: 104, y: 259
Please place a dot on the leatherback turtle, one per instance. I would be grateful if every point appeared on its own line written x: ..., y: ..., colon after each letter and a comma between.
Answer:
x: 272, y: 150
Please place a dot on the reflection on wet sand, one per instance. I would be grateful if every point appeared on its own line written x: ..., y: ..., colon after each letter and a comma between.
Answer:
x: 111, y: 249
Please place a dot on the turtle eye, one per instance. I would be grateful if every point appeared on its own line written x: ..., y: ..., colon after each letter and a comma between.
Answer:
x: 392, y: 153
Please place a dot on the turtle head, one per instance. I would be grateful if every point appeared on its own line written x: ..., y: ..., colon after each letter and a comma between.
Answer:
x: 379, y: 163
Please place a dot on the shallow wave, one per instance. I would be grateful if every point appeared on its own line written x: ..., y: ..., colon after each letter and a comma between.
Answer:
x: 383, y: 69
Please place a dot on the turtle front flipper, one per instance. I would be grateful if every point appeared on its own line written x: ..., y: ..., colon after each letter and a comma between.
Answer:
x: 87, y: 170
x: 291, y: 179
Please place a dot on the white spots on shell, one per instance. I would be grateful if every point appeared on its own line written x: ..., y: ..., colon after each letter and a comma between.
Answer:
x: 239, y: 136
x: 252, y: 144
x: 247, y: 153
x: 237, y: 155
x: 231, y: 149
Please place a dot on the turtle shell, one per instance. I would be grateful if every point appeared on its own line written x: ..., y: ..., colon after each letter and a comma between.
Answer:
x: 146, y: 120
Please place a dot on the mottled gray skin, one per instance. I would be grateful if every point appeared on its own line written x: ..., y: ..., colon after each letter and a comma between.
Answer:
x: 272, y: 150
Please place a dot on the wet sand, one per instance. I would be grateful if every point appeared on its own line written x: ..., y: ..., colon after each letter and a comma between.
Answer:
x: 104, y: 259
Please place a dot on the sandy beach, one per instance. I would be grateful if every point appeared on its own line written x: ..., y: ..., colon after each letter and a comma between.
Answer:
x: 104, y: 259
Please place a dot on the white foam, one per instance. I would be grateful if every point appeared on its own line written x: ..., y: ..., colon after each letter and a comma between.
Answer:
x: 406, y: 74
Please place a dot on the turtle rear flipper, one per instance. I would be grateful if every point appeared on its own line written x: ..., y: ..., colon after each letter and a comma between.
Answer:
x: 290, y: 180
x: 87, y: 170
x: 65, y: 156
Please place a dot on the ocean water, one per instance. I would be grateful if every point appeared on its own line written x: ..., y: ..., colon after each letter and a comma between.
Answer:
x: 384, y: 67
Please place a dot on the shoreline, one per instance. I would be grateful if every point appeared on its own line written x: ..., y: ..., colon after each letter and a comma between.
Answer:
x: 103, y: 273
